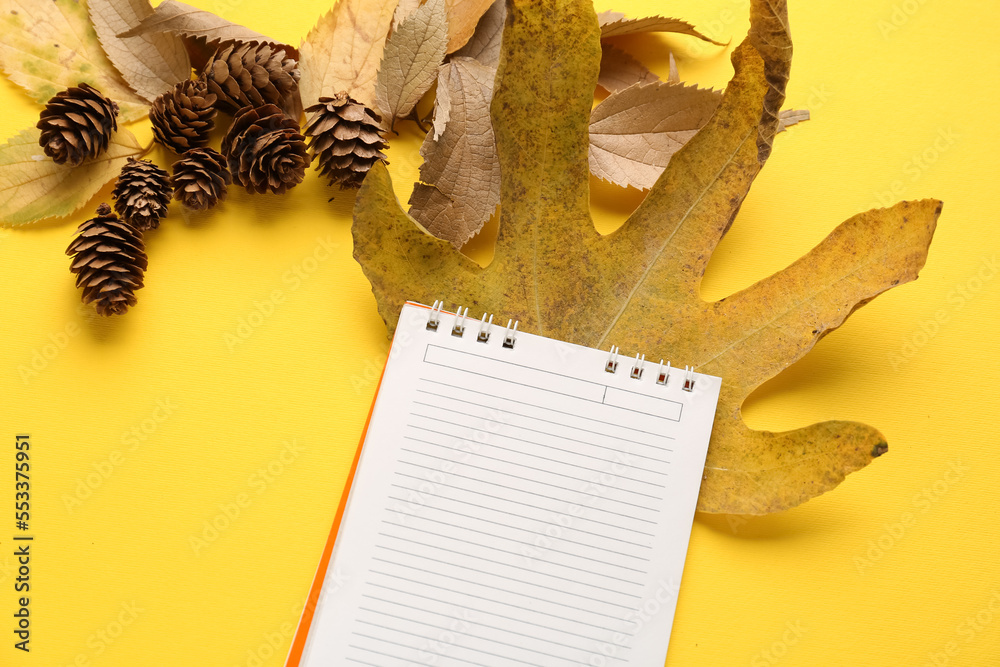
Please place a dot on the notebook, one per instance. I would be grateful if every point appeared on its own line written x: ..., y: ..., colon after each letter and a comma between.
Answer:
x: 516, y: 500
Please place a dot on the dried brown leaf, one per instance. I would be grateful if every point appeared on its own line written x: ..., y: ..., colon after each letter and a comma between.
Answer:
x: 50, y: 46
x: 614, y: 24
x: 179, y: 18
x: 343, y: 51
x: 463, y: 16
x: 460, y: 175
x: 635, y: 132
x: 619, y: 70
x: 411, y: 60
x: 485, y: 43
x: 151, y: 64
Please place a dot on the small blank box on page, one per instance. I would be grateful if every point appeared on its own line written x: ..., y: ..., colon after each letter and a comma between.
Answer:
x: 650, y: 405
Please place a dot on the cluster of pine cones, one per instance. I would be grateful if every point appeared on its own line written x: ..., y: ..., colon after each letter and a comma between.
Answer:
x: 264, y: 150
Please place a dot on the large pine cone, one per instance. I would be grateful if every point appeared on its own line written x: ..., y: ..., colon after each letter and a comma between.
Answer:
x: 142, y: 194
x: 184, y: 117
x: 266, y: 153
x: 346, y: 138
x: 251, y: 75
x: 77, y: 124
x: 200, y: 178
x: 109, y: 261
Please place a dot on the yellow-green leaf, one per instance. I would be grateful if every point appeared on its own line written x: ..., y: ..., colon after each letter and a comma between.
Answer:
x: 33, y: 187
x: 49, y: 46
x: 639, y: 286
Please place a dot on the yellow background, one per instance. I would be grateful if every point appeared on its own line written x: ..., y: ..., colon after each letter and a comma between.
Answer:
x: 886, y: 570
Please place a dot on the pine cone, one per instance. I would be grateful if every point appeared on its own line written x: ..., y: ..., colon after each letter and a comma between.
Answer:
x: 142, y: 194
x: 200, y: 178
x: 265, y: 150
x: 77, y: 124
x: 345, y: 136
x: 183, y: 117
x: 251, y: 75
x: 109, y: 262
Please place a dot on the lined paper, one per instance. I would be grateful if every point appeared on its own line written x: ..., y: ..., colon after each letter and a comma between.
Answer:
x: 513, y: 507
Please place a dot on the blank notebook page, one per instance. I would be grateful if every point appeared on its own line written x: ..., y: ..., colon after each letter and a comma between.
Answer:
x: 513, y: 506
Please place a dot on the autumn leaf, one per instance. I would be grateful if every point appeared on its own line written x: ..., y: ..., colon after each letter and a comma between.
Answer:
x: 614, y: 24
x: 463, y: 16
x: 635, y: 132
x: 619, y: 70
x: 639, y: 286
x: 152, y: 64
x: 460, y: 175
x: 484, y: 45
x: 50, y: 46
x: 33, y: 187
x: 411, y: 60
x: 178, y: 18
x: 403, y: 10
x: 343, y: 51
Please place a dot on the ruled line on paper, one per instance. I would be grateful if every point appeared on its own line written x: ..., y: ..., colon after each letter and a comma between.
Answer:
x: 568, y: 451
x: 512, y: 553
x: 532, y: 493
x: 465, y: 660
x: 534, y: 456
x: 476, y: 610
x: 495, y: 588
x: 506, y: 525
x: 508, y: 513
x: 470, y: 622
x: 528, y: 479
x: 611, y: 425
x: 522, y: 465
x: 510, y: 565
x: 506, y: 398
x: 501, y: 576
x: 524, y: 530
x: 509, y: 539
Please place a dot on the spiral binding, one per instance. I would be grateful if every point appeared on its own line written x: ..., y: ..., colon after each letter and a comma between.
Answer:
x: 510, y: 339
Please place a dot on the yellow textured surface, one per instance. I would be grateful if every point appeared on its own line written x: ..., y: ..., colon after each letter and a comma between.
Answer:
x: 187, y: 459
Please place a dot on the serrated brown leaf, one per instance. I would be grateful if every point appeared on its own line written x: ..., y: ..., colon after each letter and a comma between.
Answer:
x: 484, y: 45
x: 343, y: 51
x: 614, y: 24
x: 411, y: 60
x: 619, y: 70
x: 33, y: 187
x: 460, y: 176
x: 639, y: 286
x: 50, y: 46
x: 178, y: 18
x: 790, y: 117
x: 463, y: 16
x: 635, y: 132
x: 151, y: 64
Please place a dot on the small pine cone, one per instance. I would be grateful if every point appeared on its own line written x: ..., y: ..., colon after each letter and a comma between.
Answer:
x: 77, y: 124
x: 109, y: 261
x: 142, y: 194
x: 200, y: 178
x: 346, y: 137
x: 184, y: 117
x: 266, y: 153
x: 251, y: 75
